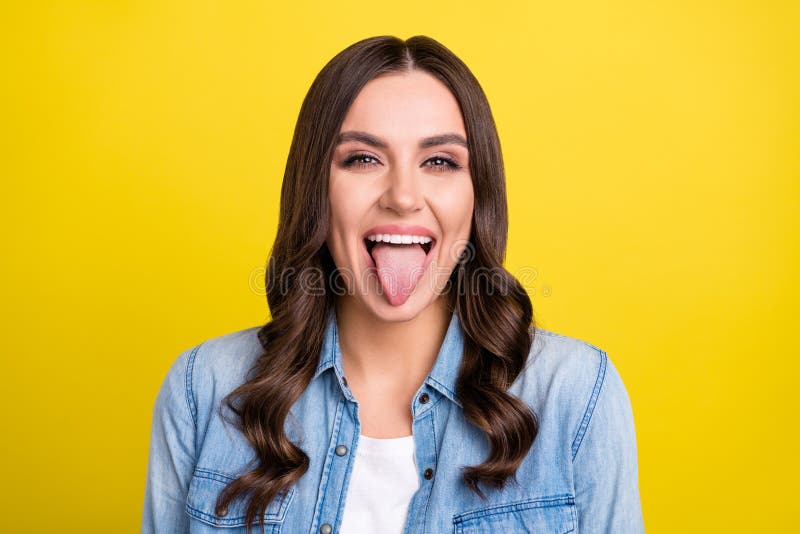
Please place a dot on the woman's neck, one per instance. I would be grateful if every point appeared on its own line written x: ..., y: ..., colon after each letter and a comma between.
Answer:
x: 392, y: 358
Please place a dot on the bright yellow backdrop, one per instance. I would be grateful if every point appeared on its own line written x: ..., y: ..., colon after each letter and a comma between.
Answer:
x: 653, y: 174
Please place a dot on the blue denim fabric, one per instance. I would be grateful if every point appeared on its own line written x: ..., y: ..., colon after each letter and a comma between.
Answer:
x: 581, y: 475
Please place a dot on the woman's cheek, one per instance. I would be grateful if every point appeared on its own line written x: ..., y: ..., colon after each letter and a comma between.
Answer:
x: 457, y: 205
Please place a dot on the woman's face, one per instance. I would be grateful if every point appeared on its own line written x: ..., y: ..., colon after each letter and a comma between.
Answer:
x: 401, y: 194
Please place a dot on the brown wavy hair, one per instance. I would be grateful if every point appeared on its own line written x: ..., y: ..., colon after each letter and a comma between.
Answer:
x: 493, y: 308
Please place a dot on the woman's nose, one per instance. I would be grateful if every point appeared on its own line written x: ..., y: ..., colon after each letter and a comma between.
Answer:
x: 403, y: 191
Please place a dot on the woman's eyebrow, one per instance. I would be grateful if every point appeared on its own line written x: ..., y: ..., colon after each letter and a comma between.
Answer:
x: 369, y: 139
x: 444, y: 139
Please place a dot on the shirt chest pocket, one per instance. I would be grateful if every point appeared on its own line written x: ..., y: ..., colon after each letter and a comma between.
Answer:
x: 205, y: 487
x: 552, y: 515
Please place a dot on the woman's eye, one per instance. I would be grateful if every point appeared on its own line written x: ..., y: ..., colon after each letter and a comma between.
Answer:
x: 359, y: 160
x: 438, y: 163
x: 444, y: 164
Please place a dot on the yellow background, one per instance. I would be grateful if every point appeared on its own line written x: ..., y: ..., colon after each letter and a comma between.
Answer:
x: 653, y: 173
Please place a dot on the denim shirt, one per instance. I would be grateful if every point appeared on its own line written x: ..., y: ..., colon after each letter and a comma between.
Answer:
x: 580, y: 475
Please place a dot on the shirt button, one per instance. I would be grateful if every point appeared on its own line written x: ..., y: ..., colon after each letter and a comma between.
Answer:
x: 424, y: 398
x: 341, y: 450
x: 428, y: 473
x: 325, y: 529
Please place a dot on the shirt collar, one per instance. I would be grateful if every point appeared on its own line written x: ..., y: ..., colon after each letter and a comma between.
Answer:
x: 442, y: 376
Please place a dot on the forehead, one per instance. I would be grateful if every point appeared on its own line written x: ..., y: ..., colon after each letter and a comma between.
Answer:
x: 403, y: 107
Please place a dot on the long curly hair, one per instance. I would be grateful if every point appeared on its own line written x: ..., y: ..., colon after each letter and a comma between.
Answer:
x: 493, y: 308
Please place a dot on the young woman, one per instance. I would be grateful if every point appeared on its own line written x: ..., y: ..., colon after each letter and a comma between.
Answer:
x: 401, y: 385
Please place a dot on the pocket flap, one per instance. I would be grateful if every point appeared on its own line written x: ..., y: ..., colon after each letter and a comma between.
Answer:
x: 550, y: 515
x: 205, y: 487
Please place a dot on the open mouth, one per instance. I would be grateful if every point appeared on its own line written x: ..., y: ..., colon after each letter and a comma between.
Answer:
x: 399, y: 263
x: 426, y: 247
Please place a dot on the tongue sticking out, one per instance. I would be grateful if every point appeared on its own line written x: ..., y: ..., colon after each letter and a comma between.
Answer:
x: 399, y: 269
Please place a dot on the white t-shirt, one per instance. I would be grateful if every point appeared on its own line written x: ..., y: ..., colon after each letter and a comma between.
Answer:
x: 383, y: 480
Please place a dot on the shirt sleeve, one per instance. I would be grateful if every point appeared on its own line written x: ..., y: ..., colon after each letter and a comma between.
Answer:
x: 171, y: 459
x: 605, y: 459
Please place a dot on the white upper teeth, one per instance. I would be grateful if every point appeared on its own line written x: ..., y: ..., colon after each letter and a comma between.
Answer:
x: 399, y: 238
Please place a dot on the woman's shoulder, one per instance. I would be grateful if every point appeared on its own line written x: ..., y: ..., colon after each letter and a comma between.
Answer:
x: 564, y: 361
x: 569, y: 380
x: 204, y: 373
x: 226, y: 359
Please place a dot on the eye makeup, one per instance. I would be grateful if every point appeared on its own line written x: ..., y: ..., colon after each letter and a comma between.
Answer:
x: 444, y: 164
